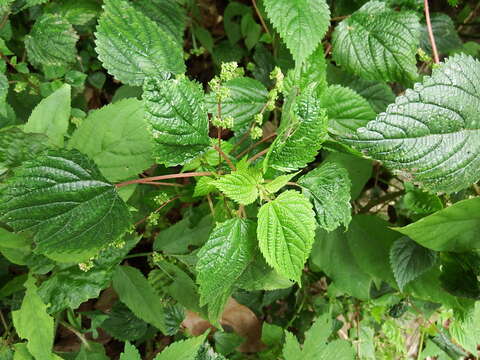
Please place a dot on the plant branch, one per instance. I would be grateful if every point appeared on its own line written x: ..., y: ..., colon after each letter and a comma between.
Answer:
x: 436, y: 59
x: 260, y: 17
x: 469, y: 18
x: 381, y: 200
x: 163, y: 177
x: 76, y: 332
x: 250, y: 148
x: 225, y: 157
x: 157, y: 210
x: 256, y: 156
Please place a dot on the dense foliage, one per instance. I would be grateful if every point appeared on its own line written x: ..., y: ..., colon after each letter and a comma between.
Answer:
x: 276, y: 179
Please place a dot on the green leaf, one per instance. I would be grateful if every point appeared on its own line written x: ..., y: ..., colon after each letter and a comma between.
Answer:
x: 51, y: 116
x: 299, y: 142
x: 286, y: 231
x: 167, y: 14
x: 31, y: 317
x: 421, y: 202
x: 204, y: 186
x: 246, y: 98
x: 183, y: 349
x: 74, y: 11
x: 466, y: 332
x: 446, y: 36
x: 409, y: 260
x: 291, y: 349
x: 51, y: 41
x: 301, y: 24
x: 328, y: 187
x: 353, y: 258
x: 130, y: 352
x: 240, y: 185
x: 176, y: 112
x: 117, y: 139
x: 452, y: 229
x: 279, y: 182
x: 135, y: 292
x: 313, y: 72
x: 123, y: 325
x: 378, y: 43
x: 64, y: 201
x: 222, y: 260
x: 133, y: 47
x: 459, y: 274
x: 346, y: 110
x: 432, y: 133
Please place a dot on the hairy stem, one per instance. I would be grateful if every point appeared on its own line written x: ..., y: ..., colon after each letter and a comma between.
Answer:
x: 163, y: 177
x: 436, y: 59
x: 250, y: 148
x: 225, y: 157
x: 255, y: 157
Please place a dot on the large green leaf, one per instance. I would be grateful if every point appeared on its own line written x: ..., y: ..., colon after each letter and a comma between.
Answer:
x: 299, y: 142
x: 176, y: 112
x: 183, y: 349
x: 62, y: 199
x: 240, y: 185
x: 117, y: 139
x: 455, y: 228
x: 409, y: 260
x: 167, y: 14
x: 328, y: 187
x: 135, y: 292
x: 301, y: 24
x: 246, y: 98
x: 51, y: 41
x: 51, y: 116
x: 132, y: 47
x: 222, y: 260
x: 346, y: 110
x: 286, y: 231
x: 378, y: 43
x: 432, y: 133
x: 32, y: 317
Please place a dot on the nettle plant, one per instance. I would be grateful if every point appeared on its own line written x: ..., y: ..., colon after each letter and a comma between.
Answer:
x: 258, y: 167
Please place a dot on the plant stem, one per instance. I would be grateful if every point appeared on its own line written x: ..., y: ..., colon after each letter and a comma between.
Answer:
x: 76, y: 332
x: 225, y: 157
x: 469, y: 18
x: 260, y: 17
x: 162, y: 183
x: 7, y: 330
x: 156, y: 210
x: 383, y: 199
x: 265, y: 139
x: 163, y: 177
x: 256, y: 156
x: 436, y: 59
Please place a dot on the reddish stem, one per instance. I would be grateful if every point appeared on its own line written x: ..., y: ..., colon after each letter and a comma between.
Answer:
x: 256, y: 156
x: 225, y: 157
x: 436, y: 58
x: 164, y: 177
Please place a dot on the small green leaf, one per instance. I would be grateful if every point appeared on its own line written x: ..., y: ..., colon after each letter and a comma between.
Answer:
x: 51, y: 116
x: 51, y: 41
x: 48, y: 193
x: 133, y: 47
x: 31, y: 317
x: 432, y: 133
x: 279, y: 182
x: 328, y: 187
x: 117, y: 139
x: 176, y: 112
x: 204, y: 186
x: 135, y: 292
x: 123, y: 325
x: 452, y: 229
x: 299, y: 142
x: 301, y: 24
x: 346, y: 110
x: 222, y: 260
x: 246, y: 98
x: 183, y: 349
x: 409, y: 260
x: 291, y: 349
x: 240, y: 185
x: 75, y: 12
x: 286, y: 231
x: 378, y: 43
x: 130, y: 352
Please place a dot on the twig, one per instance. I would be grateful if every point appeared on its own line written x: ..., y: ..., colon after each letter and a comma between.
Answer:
x: 157, y: 210
x: 469, y: 17
x: 164, y: 177
x: 225, y: 157
x: 255, y: 145
x: 162, y: 183
x: 383, y: 199
x: 256, y: 156
x: 260, y: 17
x: 436, y: 59
x: 76, y: 332
x: 7, y: 329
